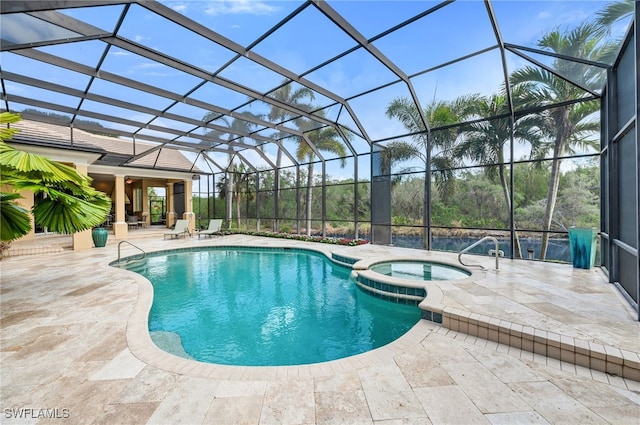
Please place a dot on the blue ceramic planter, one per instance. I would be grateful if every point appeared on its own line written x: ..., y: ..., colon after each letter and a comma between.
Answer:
x: 99, y: 235
x: 582, y: 244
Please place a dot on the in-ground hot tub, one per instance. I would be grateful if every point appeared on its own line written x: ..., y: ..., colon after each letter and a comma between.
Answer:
x: 420, y: 270
x: 409, y: 281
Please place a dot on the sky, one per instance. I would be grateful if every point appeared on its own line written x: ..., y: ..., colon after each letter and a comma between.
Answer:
x: 305, y: 42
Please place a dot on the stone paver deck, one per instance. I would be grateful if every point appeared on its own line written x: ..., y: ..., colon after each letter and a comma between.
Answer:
x: 74, y: 345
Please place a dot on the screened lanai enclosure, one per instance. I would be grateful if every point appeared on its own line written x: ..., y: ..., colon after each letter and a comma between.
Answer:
x: 421, y: 124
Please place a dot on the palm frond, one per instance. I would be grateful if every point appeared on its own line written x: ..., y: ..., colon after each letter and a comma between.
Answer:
x: 71, y: 204
x: 14, y: 220
x: 31, y: 164
x: 406, y: 111
x: 614, y: 12
x: 398, y: 151
x: 63, y: 213
x: 6, y: 133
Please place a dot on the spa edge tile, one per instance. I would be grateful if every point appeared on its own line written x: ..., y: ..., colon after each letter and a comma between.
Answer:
x: 631, y: 373
x: 613, y: 355
x: 597, y: 364
x: 515, y: 330
x: 503, y: 337
x: 553, y: 339
x: 568, y: 355
x: 553, y: 352
x: 597, y: 351
x: 631, y: 359
x: 614, y: 369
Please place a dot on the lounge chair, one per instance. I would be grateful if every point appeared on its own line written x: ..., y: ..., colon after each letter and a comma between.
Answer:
x: 181, y: 228
x: 214, y: 227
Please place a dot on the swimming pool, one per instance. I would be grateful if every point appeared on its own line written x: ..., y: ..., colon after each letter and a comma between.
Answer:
x: 259, y: 307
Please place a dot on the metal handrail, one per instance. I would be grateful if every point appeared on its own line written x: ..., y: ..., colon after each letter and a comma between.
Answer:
x: 497, y: 252
x: 136, y: 247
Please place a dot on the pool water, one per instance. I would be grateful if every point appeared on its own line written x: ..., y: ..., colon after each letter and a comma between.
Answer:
x: 257, y: 307
x: 420, y: 270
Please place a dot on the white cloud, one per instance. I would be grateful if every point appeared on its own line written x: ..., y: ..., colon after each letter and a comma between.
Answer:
x: 545, y: 14
x: 119, y: 53
x: 563, y: 14
x: 179, y: 7
x: 236, y: 7
x: 148, y: 65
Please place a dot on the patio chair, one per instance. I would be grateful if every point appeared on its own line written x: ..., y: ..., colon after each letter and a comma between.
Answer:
x: 181, y: 228
x: 214, y: 227
x: 132, y: 221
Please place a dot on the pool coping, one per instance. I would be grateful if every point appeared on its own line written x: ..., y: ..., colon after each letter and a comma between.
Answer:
x: 142, y: 346
x: 434, y: 311
x: 576, y: 351
x: 580, y: 352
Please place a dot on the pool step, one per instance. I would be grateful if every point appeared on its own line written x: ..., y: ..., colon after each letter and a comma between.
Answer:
x: 135, y: 265
x: 592, y: 355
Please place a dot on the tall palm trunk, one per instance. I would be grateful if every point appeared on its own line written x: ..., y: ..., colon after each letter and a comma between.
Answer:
x: 507, y: 200
x: 309, y: 197
x: 229, y: 198
x: 552, y: 196
x: 238, y: 201
x: 505, y: 186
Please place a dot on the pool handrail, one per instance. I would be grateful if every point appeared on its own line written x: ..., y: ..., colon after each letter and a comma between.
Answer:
x: 473, y: 245
x: 136, y: 247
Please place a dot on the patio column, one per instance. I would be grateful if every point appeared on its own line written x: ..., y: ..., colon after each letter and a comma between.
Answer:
x: 120, y: 226
x: 82, y: 240
x: 146, y: 210
x: 188, y: 205
x: 171, y: 215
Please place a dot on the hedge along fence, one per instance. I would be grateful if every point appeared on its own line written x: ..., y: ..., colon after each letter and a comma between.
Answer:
x: 319, y: 239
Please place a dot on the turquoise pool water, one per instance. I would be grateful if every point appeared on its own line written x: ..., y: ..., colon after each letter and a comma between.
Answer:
x: 257, y: 307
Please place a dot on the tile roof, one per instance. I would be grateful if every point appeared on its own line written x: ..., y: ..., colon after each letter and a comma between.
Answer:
x: 51, y: 135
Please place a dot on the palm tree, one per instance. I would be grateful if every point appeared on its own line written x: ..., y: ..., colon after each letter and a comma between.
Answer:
x: 324, y: 139
x: 438, y: 114
x: 566, y: 126
x: 236, y: 126
x: 70, y: 205
x: 299, y: 98
x: 484, y: 142
x: 614, y: 12
x: 240, y: 176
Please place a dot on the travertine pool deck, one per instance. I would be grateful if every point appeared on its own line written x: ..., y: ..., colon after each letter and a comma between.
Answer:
x: 74, y: 339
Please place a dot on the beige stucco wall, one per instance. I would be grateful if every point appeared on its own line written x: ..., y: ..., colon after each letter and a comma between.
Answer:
x: 120, y: 226
x: 82, y: 240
